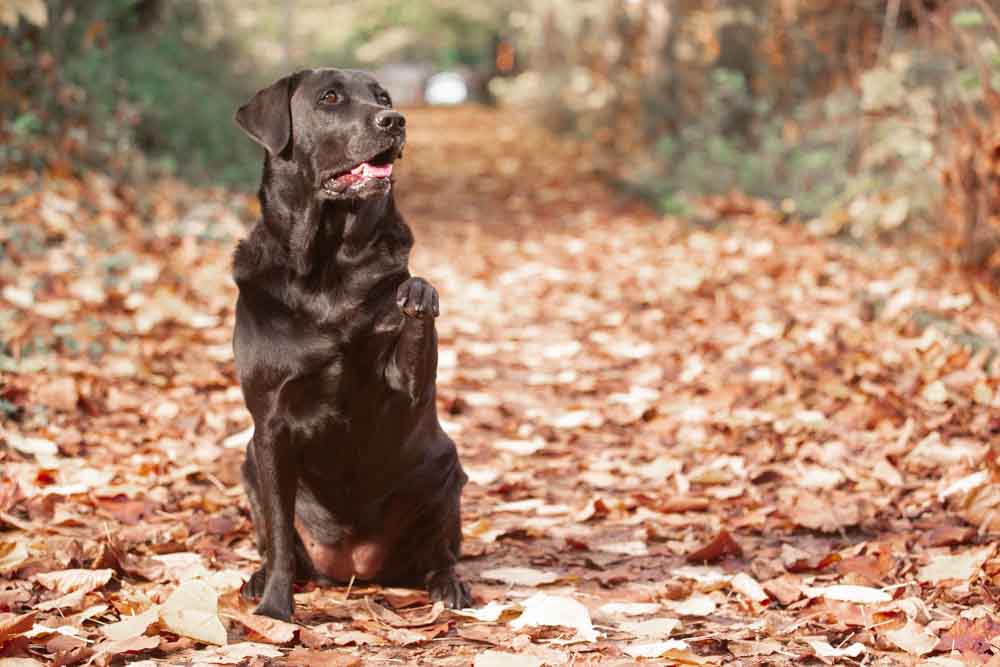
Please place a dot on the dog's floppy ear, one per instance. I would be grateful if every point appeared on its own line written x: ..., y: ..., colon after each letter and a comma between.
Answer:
x: 267, y: 118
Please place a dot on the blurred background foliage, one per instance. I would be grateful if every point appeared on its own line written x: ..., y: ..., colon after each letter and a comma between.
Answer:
x: 858, y: 117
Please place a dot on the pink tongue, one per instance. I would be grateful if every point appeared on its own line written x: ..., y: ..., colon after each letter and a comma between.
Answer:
x: 371, y: 171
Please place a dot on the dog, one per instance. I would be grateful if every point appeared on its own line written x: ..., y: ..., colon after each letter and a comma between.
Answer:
x: 349, y: 473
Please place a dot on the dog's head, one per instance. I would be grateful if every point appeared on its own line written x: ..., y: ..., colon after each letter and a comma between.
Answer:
x: 337, y: 126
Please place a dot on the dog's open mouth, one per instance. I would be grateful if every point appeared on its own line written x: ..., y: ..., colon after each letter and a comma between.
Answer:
x: 378, y: 167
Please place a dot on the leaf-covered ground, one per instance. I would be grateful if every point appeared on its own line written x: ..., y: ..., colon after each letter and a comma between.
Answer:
x: 722, y: 443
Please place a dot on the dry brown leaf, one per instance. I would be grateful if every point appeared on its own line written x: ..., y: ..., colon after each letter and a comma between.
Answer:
x: 721, y: 546
x: 305, y: 657
x: 131, y: 626
x: 265, y: 629
x: 415, y: 618
x: 961, y: 566
x: 12, y: 625
x: 70, y: 581
x: 913, y: 638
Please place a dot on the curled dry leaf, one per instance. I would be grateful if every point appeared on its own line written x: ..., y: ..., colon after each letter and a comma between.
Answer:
x: 748, y: 586
x: 542, y: 609
x: 913, y: 638
x: 414, y: 619
x: 12, y: 625
x: 720, y: 547
x: 192, y: 610
x: 265, y: 629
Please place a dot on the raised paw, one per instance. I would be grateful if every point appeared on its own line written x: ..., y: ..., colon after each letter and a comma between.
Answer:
x: 253, y: 589
x: 445, y: 585
x: 418, y: 299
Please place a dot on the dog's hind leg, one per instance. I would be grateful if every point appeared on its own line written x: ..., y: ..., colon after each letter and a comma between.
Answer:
x: 443, y: 583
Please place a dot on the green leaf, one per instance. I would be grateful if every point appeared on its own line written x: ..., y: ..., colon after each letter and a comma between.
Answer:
x: 26, y: 123
x: 967, y: 18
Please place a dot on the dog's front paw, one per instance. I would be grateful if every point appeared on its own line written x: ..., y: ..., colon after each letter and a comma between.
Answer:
x: 418, y: 299
x: 281, y: 612
x: 445, y: 585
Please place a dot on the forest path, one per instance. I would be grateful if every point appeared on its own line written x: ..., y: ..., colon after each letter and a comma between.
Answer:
x: 690, y: 432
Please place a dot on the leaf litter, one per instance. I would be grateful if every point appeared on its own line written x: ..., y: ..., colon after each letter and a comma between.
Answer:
x: 686, y: 445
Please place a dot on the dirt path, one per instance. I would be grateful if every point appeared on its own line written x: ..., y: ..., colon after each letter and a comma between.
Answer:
x: 691, y: 435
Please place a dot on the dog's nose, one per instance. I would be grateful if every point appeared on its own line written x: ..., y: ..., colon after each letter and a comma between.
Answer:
x: 390, y: 121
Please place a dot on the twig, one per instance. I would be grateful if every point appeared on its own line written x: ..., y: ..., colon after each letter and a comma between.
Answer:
x: 889, y: 29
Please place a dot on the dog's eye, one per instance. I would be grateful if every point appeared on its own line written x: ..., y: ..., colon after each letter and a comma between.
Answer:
x: 329, y: 97
x: 384, y: 100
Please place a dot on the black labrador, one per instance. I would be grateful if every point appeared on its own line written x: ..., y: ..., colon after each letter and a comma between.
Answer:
x: 349, y: 473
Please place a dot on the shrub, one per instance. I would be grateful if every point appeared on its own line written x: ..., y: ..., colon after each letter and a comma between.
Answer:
x: 105, y: 77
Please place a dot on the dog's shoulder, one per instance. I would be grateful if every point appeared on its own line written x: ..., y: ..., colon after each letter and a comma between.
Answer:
x: 256, y: 255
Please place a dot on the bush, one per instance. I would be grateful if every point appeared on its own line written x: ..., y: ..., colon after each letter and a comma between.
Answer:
x: 106, y: 77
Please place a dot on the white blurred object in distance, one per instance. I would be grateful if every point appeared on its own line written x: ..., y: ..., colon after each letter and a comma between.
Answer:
x: 446, y: 88
x: 404, y: 81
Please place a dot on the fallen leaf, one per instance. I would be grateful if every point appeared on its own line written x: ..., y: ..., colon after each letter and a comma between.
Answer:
x: 489, y: 614
x: 70, y: 581
x: 131, y: 626
x: 542, y: 609
x: 491, y: 658
x: 629, y: 608
x: 133, y: 645
x: 30, y: 445
x: 847, y: 593
x: 69, y: 601
x: 823, y: 649
x: 748, y: 586
x: 746, y: 649
x: 305, y: 657
x: 11, y: 625
x: 412, y: 620
x: 678, y: 652
x: 12, y: 556
x: 265, y: 629
x: 962, y: 566
x: 654, y: 628
x: 520, y: 576
x: 192, y: 610
x: 913, y: 638
x: 720, y: 547
x: 695, y: 605
x: 970, y: 637
x: 233, y: 654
